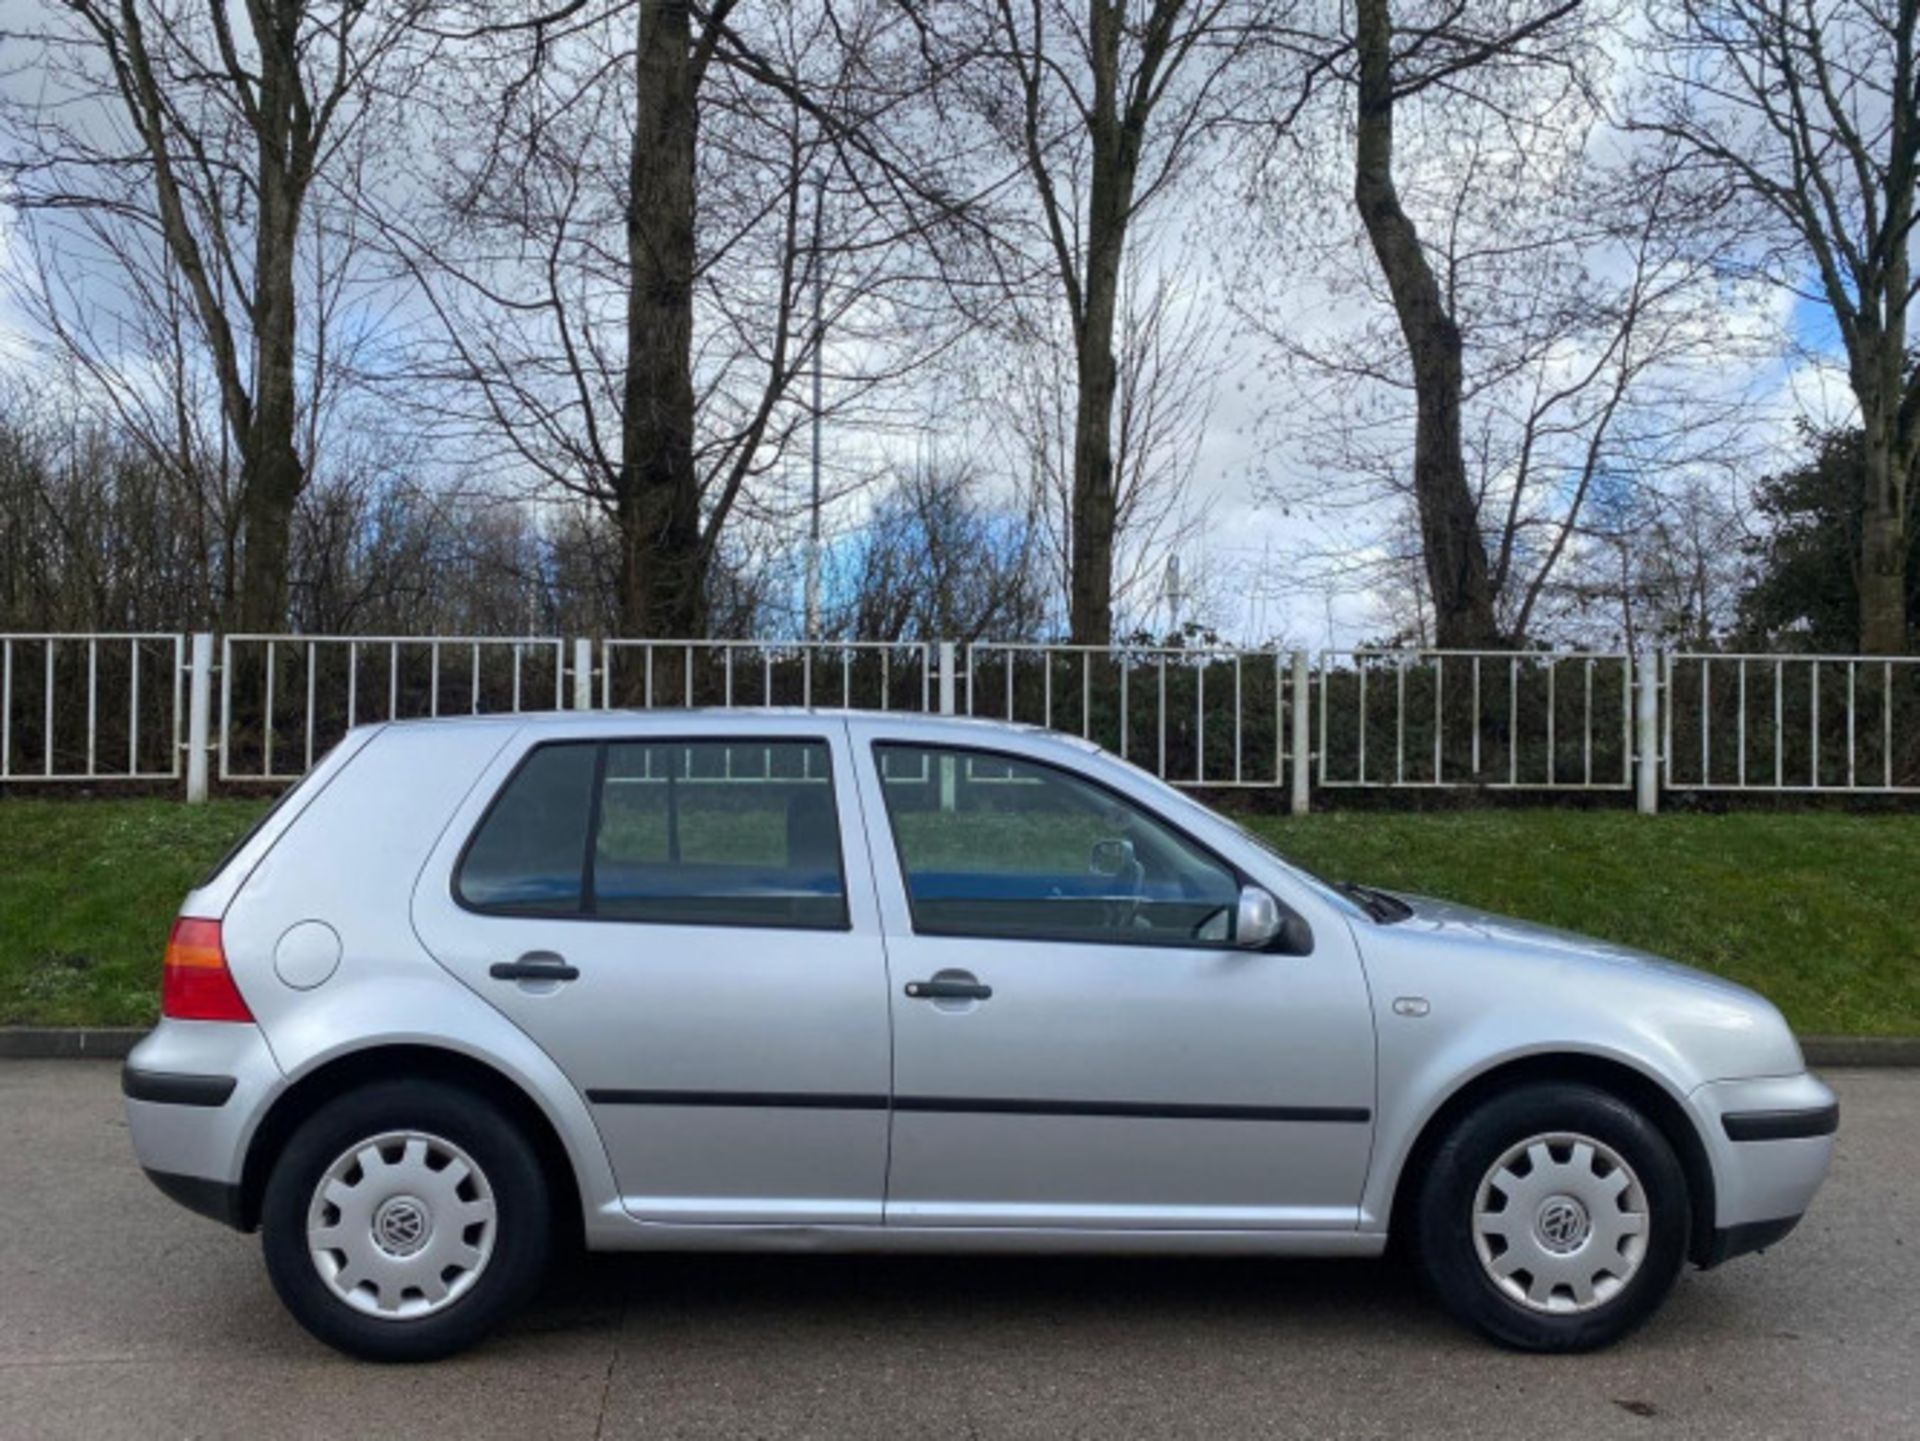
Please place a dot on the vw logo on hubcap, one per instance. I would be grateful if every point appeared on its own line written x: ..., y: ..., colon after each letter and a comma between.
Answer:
x: 1562, y: 1224
x: 401, y: 1225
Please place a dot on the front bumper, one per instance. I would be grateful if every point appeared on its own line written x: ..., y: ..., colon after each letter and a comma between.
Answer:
x: 195, y: 1092
x: 1731, y: 1241
x: 1770, y: 1142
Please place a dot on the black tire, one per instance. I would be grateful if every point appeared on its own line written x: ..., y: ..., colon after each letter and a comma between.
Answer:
x: 522, y: 1218
x: 1444, y: 1231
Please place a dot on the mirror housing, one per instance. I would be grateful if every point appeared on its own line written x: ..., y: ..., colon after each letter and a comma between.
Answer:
x: 1110, y: 858
x: 1262, y: 924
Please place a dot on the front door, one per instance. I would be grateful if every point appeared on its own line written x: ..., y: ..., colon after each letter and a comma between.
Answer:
x: 1077, y: 1041
x: 672, y: 919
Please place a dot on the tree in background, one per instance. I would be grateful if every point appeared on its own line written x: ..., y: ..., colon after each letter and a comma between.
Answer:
x: 1397, y: 58
x: 1525, y: 317
x: 1100, y: 103
x: 937, y: 558
x: 1801, y: 126
x: 171, y: 168
x: 634, y: 228
x: 1167, y: 368
x: 1803, y: 590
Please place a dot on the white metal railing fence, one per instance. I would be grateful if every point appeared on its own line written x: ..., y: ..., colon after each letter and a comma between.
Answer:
x: 870, y: 675
x: 277, y: 715
x: 90, y: 707
x: 1810, y: 723
x: 1212, y: 716
x: 154, y: 707
x: 1499, y: 720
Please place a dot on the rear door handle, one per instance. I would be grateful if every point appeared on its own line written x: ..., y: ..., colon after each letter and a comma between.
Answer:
x: 949, y: 988
x: 535, y: 966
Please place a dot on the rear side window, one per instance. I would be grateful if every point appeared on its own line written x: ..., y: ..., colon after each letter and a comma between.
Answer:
x: 529, y: 855
x: 674, y: 832
x: 719, y: 832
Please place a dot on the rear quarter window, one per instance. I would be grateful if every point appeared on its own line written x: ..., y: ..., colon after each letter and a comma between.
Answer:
x: 528, y: 856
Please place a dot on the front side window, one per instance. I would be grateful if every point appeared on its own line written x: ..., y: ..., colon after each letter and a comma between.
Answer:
x: 994, y: 845
x: 682, y: 832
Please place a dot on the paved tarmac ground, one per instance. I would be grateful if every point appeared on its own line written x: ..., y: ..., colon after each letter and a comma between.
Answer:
x: 122, y: 1315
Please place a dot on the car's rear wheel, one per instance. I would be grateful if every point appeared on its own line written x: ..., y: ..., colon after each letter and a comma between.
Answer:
x: 404, y: 1220
x: 1554, y: 1217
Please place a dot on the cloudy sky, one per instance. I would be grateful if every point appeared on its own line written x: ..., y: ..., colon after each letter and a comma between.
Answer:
x: 1247, y: 560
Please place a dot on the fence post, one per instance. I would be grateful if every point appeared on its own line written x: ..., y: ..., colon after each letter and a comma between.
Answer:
x: 199, y: 703
x: 1302, y: 733
x: 947, y: 700
x: 582, y: 674
x: 1647, y: 734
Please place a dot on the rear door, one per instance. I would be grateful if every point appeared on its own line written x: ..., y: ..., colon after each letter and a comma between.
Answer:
x: 684, y: 921
x: 1077, y: 1040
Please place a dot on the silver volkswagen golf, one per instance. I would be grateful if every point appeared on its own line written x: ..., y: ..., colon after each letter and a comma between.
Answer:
x: 737, y: 980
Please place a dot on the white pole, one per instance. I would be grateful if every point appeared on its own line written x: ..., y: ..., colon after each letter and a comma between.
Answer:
x: 582, y: 674
x: 948, y: 698
x: 1302, y: 735
x: 1647, y: 731
x: 199, y: 703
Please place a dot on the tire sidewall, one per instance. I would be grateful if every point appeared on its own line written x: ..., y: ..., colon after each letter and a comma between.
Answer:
x: 521, y: 1208
x: 1446, y: 1246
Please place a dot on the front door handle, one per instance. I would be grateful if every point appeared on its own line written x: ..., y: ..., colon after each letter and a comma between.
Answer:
x: 949, y: 987
x: 535, y: 966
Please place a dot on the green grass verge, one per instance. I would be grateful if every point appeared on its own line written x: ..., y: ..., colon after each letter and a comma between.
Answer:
x: 1820, y: 912
x: 87, y: 892
x: 1816, y: 910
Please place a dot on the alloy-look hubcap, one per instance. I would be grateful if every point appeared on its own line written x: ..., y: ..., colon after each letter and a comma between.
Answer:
x: 401, y: 1225
x: 1560, y: 1223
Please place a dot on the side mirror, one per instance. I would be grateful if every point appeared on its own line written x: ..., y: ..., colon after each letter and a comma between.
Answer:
x: 1110, y: 858
x: 1261, y: 925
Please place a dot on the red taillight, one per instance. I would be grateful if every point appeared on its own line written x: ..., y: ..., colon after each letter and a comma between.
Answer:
x: 195, y: 984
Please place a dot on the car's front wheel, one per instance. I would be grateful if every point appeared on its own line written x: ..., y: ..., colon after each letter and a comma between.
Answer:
x: 1554, y: 1217
x: 404, y: 1219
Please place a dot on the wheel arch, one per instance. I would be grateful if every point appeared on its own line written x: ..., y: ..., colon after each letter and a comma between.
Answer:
x: 409, y: 1060
x: 1615, y: 1077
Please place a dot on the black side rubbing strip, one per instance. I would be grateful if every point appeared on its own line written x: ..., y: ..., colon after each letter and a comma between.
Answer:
x: 984, y: 1105
x: 786, y: 1100
x: 1147, y: 1110
x: 1781, y: 1125
x: 175, y: 1090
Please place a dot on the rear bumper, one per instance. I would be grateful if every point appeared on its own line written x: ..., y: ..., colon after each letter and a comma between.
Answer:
x: 216, y: 1200
x: 195, y: 1092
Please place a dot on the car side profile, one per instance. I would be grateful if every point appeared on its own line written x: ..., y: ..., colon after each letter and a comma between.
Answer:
x: 727, y: 980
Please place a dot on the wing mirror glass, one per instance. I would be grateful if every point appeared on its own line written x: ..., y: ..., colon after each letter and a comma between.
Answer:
x: 1263, y: 924
x: 1110, y: 858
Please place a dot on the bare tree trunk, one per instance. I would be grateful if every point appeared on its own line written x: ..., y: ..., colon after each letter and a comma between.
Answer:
x: 1455, y: 554
x: 1889, y: 413
x: 1883, y: 545
x: 1110, y: 197
x: 663, y: 557
x: 272, y: 473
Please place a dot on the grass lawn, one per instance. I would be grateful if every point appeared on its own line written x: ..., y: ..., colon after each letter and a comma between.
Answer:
x: 88, y: 889
x: 1819, y: 911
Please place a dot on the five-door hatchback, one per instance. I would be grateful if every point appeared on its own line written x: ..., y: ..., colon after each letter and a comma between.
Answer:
x: 727, y: 980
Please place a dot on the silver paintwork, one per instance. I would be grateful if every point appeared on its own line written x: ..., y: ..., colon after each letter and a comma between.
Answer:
x: 401, y: 1225
x: 1560, y: 1223
x: 368, y: 844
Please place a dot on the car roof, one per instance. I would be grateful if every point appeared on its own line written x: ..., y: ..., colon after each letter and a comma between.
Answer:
x: 669, y: 715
